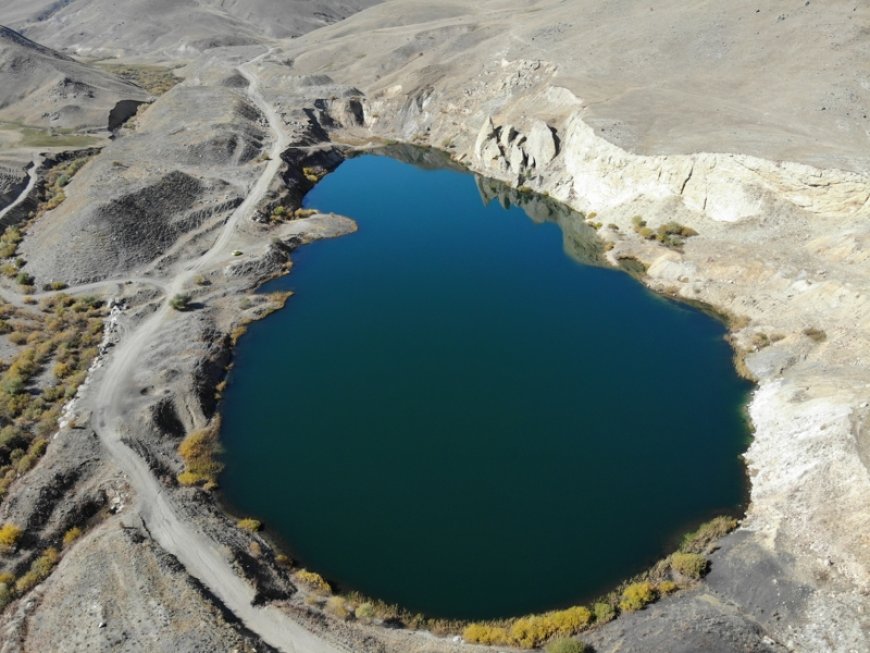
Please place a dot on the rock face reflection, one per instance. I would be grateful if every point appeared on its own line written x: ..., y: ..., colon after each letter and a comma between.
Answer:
x: 580, y: 240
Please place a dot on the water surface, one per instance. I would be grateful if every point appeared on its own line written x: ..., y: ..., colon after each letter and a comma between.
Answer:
x: 454, y: 415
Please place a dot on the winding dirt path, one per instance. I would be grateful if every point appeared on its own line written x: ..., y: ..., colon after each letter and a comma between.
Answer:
x: 202, y: 557
x: 33, y: 176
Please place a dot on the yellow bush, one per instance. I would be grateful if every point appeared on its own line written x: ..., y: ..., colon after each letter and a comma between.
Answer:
x: 636, y: 596
x: 72, y: 535
x: 667, y: 587
x: 199, y: 451
x: 9, y: 535
x: 313, y: 581
x: 528, y: 632
x: 7, y: 577
x: 249, y: 524
x: 533, y: 631
x: 39, y: 571
x: 484, y: 634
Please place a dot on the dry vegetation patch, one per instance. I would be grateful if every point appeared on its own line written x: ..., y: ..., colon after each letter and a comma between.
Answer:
x: 49, y: 350
x: 200, y: 450
x: 154, y: 79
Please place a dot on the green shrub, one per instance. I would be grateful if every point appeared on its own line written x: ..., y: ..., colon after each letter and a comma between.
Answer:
x: 603, y: 612
x: 637, y: 596
x: 690, y: 565
x: 566, y: 645
x: 24, y: 279
x: 180, y: 302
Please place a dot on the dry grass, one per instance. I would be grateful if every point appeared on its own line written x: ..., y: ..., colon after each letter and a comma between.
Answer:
x: 157, y: 80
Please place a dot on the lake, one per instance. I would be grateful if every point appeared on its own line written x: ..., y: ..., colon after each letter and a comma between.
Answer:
x: 461, y: 411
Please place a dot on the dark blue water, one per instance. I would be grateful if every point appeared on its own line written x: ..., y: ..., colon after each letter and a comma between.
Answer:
x: 453, y: 415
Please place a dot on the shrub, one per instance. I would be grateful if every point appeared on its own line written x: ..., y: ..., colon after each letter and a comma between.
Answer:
x: 337, y: 607
x: 604, y: 612
x: 180, y: 302
x: 566, y: 645
x: 249, y: 524
x: 39, y: 571
x: 24, y: 279
x: 485, y: 634
x: 5, y: 595
x: 690, y: 565
x: 72, y: 535
x: 532, y: 631
x: 816, y: 335
x: 313, y: 581
x: 201, y: 280
x: 61, y: 370
x: 637, y: 596
x: 365, y: 612
x: 311, y: 174
x: 9, y: 535
x: 667, y: 587
x: 715, y: 529
x: 199, y: 451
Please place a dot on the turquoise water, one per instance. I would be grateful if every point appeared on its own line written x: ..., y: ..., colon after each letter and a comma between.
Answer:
x: 455, y: 414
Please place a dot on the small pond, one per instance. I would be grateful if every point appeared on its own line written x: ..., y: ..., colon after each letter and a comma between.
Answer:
x: 460, y: 411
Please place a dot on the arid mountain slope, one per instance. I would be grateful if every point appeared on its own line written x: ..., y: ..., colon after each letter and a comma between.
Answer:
x: 105, y: 28
x: 781, y: 80
x: 41, y: 87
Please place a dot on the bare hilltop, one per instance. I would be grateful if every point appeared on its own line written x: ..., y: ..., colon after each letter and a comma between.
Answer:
x: 153, y: 157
